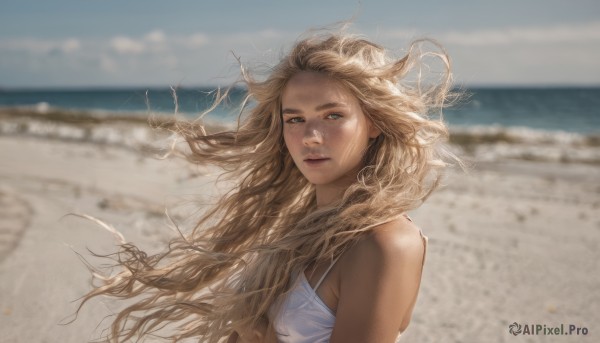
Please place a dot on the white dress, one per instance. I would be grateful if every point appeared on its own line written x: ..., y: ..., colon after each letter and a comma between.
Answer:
x: 303, y: 317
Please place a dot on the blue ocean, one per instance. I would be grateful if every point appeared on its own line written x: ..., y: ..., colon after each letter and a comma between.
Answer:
x: 551, y: 109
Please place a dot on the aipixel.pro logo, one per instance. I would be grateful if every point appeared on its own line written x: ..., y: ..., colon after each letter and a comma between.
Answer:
x: 514, y: 328
x: 546, y: 330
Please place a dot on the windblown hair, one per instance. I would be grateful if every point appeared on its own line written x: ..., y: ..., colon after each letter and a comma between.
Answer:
x: 228, y: 272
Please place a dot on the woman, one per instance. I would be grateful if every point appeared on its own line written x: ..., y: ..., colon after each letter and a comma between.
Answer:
x: 312, y: 244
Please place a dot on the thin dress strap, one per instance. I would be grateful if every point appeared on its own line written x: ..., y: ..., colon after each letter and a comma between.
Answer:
x: 424, y: 238
x: 325, y: 274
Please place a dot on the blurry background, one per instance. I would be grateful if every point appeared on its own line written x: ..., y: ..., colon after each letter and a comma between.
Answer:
x: 515, y: 240
x: 98, y: 55
x: 153, y: 43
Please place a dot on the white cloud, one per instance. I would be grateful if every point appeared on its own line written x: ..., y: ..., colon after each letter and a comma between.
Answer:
x: 195, y: 40
x: 125, y: 45
x: 156, y: 36
x: 586, y: 32
x: 508, y: 55
x: 71, y: 45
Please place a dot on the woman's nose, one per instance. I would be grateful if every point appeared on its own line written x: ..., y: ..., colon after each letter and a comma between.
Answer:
x: 312, y: 135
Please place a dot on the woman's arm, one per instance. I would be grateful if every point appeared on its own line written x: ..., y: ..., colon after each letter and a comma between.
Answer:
x: 379, y: 283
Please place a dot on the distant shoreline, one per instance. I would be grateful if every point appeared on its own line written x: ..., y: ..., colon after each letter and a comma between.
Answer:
x: 478, y: 142
x: 549, y: 109
x: 87, y: 88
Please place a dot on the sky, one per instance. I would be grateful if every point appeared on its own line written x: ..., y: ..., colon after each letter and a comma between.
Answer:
x: 159, y: 43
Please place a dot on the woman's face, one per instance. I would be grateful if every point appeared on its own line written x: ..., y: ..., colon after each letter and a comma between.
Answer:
x: 324, y: 128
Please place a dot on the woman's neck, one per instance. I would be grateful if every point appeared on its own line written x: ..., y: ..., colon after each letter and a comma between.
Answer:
x: 330, y: 193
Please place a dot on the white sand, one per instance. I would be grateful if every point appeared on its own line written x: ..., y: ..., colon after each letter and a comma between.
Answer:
x: 513, y: 241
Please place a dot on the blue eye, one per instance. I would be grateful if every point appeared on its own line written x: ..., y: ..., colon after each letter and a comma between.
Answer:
x: 294, y: 120
x: 334, y: 116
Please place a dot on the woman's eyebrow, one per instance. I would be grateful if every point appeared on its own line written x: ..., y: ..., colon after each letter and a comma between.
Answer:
x: 290, y: 111
x: 318, y: 108
x: 329, y: 105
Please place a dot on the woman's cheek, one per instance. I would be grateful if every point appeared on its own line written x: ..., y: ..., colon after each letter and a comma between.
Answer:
x: 292, y: 140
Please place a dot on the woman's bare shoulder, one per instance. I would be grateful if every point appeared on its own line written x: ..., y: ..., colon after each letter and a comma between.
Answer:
x: 394, y: 239
x: 379, y: 282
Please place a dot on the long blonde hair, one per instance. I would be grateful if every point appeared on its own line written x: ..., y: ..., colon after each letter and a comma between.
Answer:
x: 228, y: 272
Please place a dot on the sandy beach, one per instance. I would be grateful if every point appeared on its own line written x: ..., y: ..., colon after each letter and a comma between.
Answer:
x: 517, y: 239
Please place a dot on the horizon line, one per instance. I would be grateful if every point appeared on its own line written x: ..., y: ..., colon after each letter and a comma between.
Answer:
x: 199, y: 86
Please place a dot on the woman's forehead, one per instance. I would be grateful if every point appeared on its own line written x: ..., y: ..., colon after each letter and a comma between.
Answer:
x: 310, y: 88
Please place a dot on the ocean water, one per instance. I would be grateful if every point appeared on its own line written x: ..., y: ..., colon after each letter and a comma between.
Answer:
x: 117, y: 101
x: 549, y: 109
